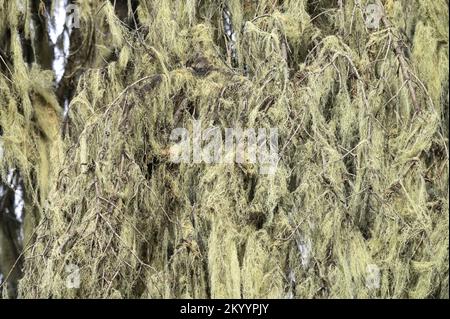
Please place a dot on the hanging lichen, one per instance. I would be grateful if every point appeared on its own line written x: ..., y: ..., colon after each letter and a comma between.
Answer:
x: 361, y: 188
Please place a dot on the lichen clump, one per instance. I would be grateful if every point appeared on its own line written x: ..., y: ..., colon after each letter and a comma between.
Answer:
x: 362, y: 182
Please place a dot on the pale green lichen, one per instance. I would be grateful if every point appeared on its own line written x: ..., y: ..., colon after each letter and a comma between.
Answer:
x: 363, y: 180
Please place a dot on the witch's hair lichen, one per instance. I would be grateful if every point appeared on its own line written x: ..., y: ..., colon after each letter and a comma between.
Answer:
x: 362, y: 179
